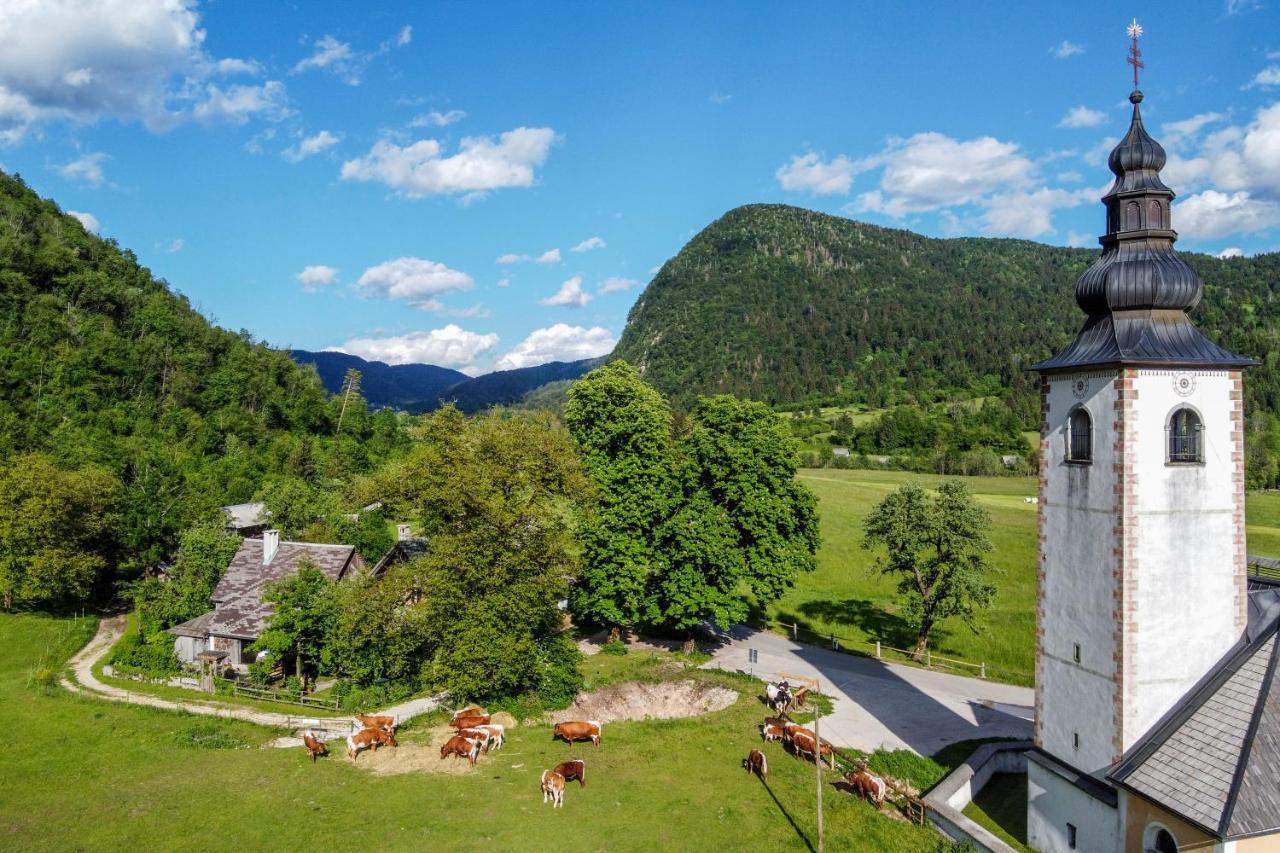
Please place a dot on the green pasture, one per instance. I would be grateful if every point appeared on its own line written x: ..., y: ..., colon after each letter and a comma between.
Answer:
x: 844, y: 597
x: 84, y: 774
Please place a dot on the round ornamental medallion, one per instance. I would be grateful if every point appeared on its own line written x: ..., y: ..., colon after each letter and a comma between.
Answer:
x: 1184, y: 384
x: 1080, y: 388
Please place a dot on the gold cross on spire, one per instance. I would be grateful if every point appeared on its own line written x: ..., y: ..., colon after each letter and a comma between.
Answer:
x: 1135, y: 56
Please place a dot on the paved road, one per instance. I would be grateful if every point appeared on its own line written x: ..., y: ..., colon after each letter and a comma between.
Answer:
x: 109, y: 632
x: 880, y: 704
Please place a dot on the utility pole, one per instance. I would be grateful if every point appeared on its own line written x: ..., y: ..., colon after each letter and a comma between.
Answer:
x: 817, y: 763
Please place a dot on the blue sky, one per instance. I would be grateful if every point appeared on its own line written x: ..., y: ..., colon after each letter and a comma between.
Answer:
x: 327, y: 178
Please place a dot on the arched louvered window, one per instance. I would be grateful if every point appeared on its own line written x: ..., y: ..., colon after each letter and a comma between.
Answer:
x: 1079, y: 436
x: 1132, y: 216
x: 1186, y: 437
x: 1156, y: 213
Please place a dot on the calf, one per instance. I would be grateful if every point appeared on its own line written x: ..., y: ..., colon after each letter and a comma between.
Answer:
x: 385, y: 722
x: 460, y: 747
x: 315, y: 746
x: 572, y: 731
x: 770, y: 732
x: 756, y: 763
x: 553, y: 788
x: 868, y: 785
x: 470, y: 721
x: 571, y: 770
x: 367, y: 739
x: 497, y: 734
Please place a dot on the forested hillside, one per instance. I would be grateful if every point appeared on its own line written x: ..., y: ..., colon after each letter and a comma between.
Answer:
x: 785, y: 305
x: 130, y: 398
x: 411, y: 387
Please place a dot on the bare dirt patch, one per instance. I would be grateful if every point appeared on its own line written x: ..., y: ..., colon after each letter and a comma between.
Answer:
x: 638, y: 701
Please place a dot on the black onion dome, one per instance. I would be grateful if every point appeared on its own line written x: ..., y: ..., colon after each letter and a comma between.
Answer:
x: 1138, y: 292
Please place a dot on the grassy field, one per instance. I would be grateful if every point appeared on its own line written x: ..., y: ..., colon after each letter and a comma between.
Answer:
x: 843, y: 597
x: 92, y: 775
x: 1001, y: 807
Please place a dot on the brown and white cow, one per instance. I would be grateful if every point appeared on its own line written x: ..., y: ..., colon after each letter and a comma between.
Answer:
x: 756, y: 763
x: 315, y: 746
x: 553, y: 788
x: 469, y: 711
x: 368, y: 739
x: 386, y: 722
x: 868, y: 785
x: 479, y: 735
x: 571, y: 770
x: 470, y: 721
x: 573, y: 731
x: 770, y: 732
x: 497, y: 735
x: 461, y: 748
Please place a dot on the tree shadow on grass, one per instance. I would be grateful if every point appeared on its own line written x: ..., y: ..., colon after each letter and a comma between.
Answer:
x: 799, y: 832
x: 864, y: 614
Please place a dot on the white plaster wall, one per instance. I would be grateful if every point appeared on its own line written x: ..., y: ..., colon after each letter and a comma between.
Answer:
x: 1186, y: 592
x: 1077, y: 595
x: 1053, y: 802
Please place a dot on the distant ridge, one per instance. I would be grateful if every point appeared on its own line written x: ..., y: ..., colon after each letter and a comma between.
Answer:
x: 425, y: 387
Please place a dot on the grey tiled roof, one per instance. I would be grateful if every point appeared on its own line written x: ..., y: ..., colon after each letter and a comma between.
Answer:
x: 1215, y: 758
x: 239, y: 609
x: 402, y: 552
x: 241, y: 516
x: 197, y: 627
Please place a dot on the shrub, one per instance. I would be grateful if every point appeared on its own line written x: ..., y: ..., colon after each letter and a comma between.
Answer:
x: 153, y: 658
x: 560, y: 679
x: 617, y: 647
x: 353, y: 697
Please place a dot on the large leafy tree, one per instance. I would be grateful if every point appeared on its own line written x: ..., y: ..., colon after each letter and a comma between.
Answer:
x: 204, y: 552
x: 302, y: 621
x: 375, y: 635
x: 623, y: 430
x: 56, y: 530
x: 496, y: 496
x: 934, y: 544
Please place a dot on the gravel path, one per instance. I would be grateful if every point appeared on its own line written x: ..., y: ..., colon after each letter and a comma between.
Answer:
x: 109, y: 632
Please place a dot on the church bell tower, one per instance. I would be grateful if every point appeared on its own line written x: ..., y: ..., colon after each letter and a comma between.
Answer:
x: 1141, y: 560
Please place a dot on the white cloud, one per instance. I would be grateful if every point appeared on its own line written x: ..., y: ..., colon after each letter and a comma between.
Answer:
x: 504, y: 282
x: 810, y: 173
x: 719, y: 99
x: 405, y: 36
x: 328, y: 52
x: 1029, y: 214
x: 1082, y: 116
x: 550, y: 256
x: 1232, y: 159
x: 88, y: 220
x: 481, y: 164
x: 1077, y: 240
x: 451, y: 346
x: 590, y: 243
x: 236, y: 104
x: 1239, y: 7
x: 930, y: 170
x: 512, y: 258
x: 1070, y: 177
x: 176, y: 245
x: 570, y: 294
x: 414, y: 280
x: 1066, y: 49
x: 1231, y: 252
x: 616, y: 283
x: 316, y: 276
x: 435, y: 118
x: 310, y: 145
x: 1211, y: 214
x: 1097, y: 155
x: 129, y: 59
x: 85, y: 169
x: 1267, y: 77
x: 1188, y: 126
x: 560, y: 342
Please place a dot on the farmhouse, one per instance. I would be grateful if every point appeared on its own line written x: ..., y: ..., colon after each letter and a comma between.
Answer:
x: 239, y: 613
x: 1157, y: 724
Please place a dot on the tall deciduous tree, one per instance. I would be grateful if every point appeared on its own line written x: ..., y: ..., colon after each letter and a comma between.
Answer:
x: 56, y: 530
x: 623, y: 430
x: 204, y: 553
x: 935, y: 546
x: 302, y: 622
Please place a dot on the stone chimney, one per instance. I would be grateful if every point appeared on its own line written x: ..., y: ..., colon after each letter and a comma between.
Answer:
x: 270, y: 544
x: 403, y: 532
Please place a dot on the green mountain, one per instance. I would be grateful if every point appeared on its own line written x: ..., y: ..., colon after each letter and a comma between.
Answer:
x: 103, y: 367
x: 788, y: 305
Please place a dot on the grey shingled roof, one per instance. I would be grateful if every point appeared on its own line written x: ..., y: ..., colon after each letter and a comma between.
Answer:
x: 239, y: 609
x: 197, y: 627
x: 242, y: 516
x: 1215, y: 758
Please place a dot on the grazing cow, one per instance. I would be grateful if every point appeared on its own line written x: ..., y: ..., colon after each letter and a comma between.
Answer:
x: 385, y: 722
x: 571, y: 770
x: 469, y: 711
x: 553, y: 787
x: 868, y: 785
x: 789, y: 731
x: 480, y: 736
x: 497, y: 734
x: 367, y: 739
x: 315, y: 746
x: 470, y: 721
x: 803, y: 744
x: 770, y: 732
x: 460, y: 747
x: 756, y: 763
x: 778, y: 696
x: 571, y: 731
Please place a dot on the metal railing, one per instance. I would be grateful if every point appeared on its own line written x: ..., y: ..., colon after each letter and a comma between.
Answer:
x: 880, y: 650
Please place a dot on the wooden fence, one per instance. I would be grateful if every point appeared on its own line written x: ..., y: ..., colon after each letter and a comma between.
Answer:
x: 284, y: 697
